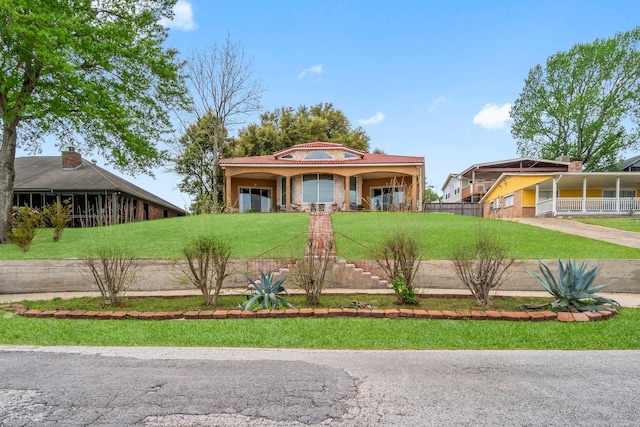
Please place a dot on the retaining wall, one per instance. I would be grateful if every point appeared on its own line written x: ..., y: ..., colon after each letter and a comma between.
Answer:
x: 70, y: 276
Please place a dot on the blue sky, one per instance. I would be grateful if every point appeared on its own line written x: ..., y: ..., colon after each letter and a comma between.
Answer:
x: 425, y: 78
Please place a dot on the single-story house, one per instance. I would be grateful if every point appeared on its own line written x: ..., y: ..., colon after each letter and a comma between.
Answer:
x: 471, y: 184
x: 323, y: 175
x: 573, y: 193
x: 98, y: 196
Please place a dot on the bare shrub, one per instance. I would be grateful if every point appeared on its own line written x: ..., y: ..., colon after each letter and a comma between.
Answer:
x: 24, y: 223
x: 58, y: 216
x: 206, y: 269
x: 309, y: 272
x: 481, y: 264
x: 399, y: 257
x: 113, y: 271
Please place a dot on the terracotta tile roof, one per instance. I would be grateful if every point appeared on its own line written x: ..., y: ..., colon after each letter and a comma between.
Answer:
x: 364, y: 159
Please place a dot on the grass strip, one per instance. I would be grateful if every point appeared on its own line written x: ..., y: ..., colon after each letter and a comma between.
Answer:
x: 329, y: 333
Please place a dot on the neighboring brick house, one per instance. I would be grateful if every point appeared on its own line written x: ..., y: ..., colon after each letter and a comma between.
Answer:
x: 471, y: 184
x: 571, y: 193
x: 98, y: 196
x: 323, y: 175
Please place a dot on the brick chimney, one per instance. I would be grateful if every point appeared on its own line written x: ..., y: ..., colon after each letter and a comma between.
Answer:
x: 575, y: 167
x: 71, y: 159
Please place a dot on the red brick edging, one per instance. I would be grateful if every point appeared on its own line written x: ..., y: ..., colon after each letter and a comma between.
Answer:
x: 534, y: 316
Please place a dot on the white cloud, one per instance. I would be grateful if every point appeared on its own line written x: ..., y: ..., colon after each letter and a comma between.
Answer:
x: 316, y: 69
x: 372, y: 120
x: 493, y: 116
x: 436, y: 103
x: 182, y: 17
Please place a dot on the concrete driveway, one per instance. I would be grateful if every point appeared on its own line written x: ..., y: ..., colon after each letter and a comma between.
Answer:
x: 605, y: 234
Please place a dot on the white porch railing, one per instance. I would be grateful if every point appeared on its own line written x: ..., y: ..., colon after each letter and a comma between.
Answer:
x: 589, y: 206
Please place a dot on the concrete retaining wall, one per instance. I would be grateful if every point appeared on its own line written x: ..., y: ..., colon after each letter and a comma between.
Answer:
x: 70, y: 276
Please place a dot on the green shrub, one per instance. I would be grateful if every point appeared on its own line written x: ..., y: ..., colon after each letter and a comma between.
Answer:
x: 58, y: 216
x: 309, y: 272
x: 399, y: 257
x: 572, y: 290
x: 404, y: 294
x: 113, y: 271
x: 265, y: 293
x: 207, y: 259
x: 481, y: 264
x: 24, y: 223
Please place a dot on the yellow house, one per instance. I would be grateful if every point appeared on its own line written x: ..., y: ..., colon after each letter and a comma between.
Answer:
x: 323, y: 175
x: 569, y: 193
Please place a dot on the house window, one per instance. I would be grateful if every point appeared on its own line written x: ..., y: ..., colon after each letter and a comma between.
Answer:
x: 447, y: 196
x: 623, y: 193
x: 283, y: 191
x: 254, y: 199
x: 350, y: 156
x: 386, y: 197
x: 508, y: 201
x: 545, y: 195
x: 317, y: 188
x: 318, y: 155
x: 353, y: 190
x: 287, y: 156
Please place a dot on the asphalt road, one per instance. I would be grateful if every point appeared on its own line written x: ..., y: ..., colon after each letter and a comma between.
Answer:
x: 82, y: 386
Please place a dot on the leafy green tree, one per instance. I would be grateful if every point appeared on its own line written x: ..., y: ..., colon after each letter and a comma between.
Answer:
x: 284, y: 127
x: 93, y: 74
x: 431, y: 195
x: 193, y: 162
x: 582, y: 103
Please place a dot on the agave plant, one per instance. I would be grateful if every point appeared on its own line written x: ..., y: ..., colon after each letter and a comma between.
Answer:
x: 573, y: 289
x: 265, y: 293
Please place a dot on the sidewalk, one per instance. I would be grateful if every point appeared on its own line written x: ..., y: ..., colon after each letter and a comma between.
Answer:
x: 624, y: 299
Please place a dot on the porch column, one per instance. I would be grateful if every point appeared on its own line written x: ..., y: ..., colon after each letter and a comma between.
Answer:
x: 227, y: 193
x: 414, y: 193
x: 554, y: 200
x: 347, y: 193
x: 287, y: 194
x: 618, y: 194
x: 537, y: 197
x: 584, y: 194
x: 115, y: 211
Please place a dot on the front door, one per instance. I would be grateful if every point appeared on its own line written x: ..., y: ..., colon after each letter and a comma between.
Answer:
x: 255, y: 199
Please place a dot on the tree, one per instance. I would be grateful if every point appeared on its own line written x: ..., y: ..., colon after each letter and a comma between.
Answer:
x: 193, y: 162
x: 93, y: 74
x: 284, y: 127
x: 430, y: 195
x: 222, y: 87
x: 581, y: 103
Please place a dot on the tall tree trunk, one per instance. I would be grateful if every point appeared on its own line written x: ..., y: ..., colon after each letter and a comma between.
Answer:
x: 215, y: 165
x: 7, y: 176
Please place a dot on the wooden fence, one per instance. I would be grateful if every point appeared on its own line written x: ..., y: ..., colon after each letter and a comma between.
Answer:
x: 470, y: 209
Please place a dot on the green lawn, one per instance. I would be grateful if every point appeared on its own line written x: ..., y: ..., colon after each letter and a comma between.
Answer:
x: 249, y: 236
x: 441, y: 233
x: 252, y: 234
x: 627, y: 223
x: 333, y: 333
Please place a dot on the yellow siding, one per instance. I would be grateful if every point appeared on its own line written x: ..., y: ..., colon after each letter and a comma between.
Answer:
x: 594, y: 192
x: 528, y: 197
x: 512, y: 183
